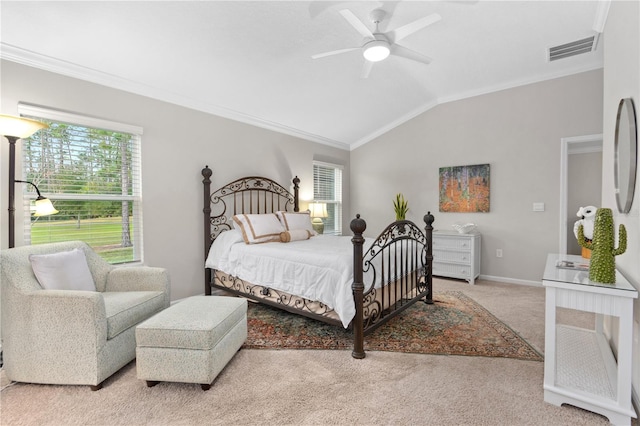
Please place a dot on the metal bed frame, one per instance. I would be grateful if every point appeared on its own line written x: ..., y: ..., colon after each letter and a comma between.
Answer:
x: 393, y: 273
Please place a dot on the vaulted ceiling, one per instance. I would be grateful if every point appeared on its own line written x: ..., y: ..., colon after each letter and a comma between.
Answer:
x: 252, y: 61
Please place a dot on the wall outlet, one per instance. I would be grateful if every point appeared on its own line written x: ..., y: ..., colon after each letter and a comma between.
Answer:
x: 498, y: 252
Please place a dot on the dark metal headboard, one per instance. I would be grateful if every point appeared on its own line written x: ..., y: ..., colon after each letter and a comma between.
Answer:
x: 246, y: 195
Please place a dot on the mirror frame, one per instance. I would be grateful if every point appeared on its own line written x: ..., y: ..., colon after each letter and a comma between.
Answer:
x: 625, y: 137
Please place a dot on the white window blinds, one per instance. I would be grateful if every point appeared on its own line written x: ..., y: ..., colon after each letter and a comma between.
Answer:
x: 90, y: 170
x: 327, y: 188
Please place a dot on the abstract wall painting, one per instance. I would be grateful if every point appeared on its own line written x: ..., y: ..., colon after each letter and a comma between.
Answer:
x: 464, y: 189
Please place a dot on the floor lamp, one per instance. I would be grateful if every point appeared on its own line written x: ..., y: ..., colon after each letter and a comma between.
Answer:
x: 14, y: 128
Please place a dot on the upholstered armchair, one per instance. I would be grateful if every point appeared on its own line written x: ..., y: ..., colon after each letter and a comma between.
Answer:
x: 74, y: 337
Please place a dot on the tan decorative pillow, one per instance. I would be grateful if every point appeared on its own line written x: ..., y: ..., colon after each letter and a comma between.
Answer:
x: 292, y: 221
x: 259, y: 228
x: 294, y: 235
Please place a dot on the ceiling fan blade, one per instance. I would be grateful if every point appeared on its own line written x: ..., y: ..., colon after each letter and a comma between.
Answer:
x: 356, y: 23
x: 403, y: 52
x: 334, y: 52
x: 366, y: 69
x: 317, y: 8
x: 410, y: 28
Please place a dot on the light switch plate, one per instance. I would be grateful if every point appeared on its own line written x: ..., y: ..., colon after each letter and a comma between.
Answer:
x: 538, y: 207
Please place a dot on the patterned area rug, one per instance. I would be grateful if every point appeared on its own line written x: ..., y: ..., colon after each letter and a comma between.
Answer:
x: 454, y: 325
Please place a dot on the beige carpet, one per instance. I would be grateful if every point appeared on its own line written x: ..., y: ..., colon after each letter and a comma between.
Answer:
x: 329, y: 387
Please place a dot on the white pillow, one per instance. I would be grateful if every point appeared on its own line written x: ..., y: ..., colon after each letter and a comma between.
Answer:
x: 292, y: 221
x: 67, y: 270
x: 259, y: 228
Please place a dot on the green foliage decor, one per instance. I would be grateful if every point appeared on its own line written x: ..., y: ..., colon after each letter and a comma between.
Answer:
x: 401, y: 207
x: 602, y: 268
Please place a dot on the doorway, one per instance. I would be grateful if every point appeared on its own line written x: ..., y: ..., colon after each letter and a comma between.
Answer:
x: 580, y: 183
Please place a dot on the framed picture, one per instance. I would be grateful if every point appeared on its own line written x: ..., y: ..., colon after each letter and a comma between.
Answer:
x: 464, y: 189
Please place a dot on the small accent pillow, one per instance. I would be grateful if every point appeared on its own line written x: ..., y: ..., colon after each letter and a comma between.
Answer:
x: 67, y: 270
x: 294, y: 235
x: 259, y: 228
x: 292, y: 221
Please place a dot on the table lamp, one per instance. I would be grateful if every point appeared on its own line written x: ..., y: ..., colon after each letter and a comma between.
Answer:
x: 318, y: 211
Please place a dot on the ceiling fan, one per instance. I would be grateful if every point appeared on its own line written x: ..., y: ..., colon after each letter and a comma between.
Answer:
x: 378, y: 46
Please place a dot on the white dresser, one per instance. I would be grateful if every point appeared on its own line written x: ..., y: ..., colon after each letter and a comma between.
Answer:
x: 456, y: 255
x: 579, y: 366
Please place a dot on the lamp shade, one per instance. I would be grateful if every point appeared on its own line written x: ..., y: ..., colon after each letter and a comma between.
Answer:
x: 44, y: 207
x: 318, y: 210
x: 19, y: 127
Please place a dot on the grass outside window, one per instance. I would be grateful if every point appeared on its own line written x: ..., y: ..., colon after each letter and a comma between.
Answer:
x: 102, y: 234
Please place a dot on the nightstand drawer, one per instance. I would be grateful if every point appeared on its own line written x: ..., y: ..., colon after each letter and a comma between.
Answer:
x: 451, y: 270
x: 463, y: 257
x: 451, y: 243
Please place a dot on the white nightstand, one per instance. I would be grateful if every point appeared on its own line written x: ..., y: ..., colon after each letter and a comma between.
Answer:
x: 456, y: 255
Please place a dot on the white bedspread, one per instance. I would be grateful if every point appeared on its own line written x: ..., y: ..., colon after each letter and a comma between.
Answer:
x: 320, y: 268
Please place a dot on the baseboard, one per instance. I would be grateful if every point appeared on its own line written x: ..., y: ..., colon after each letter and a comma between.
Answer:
x: 635, y: 400
x: 510, y: 280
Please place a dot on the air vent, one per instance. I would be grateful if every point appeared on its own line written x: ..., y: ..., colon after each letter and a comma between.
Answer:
x: 574, y: 48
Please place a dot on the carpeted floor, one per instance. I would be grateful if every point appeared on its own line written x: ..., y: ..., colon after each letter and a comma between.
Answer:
x: 454, y: 325
x: 307, y: 387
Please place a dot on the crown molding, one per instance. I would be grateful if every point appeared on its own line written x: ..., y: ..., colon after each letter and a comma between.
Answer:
x: 47, y: 63
x: 470, y: 94
x: 384, y: 129
x: 538, y: 78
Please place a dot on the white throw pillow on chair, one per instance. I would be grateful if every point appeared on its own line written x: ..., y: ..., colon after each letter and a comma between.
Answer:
x: 67, y: 270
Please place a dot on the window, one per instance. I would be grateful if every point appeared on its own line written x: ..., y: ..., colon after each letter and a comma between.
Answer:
x: 327, y: 188
x: 90, y: 170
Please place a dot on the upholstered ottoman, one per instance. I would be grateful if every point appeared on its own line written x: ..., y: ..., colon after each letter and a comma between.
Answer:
x: 191, y: 341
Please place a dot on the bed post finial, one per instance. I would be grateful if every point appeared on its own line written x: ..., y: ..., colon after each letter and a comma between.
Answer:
x: 207, y: 172
x: 358, y: 226
x: 429, y: 219
x: 296, y: 190
x: 428, y: 233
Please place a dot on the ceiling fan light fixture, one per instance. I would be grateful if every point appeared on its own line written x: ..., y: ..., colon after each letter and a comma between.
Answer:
x: 376, y: 50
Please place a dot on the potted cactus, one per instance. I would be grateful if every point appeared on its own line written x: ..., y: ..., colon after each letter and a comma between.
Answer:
x: 602, y: 268
x: 401, y: 207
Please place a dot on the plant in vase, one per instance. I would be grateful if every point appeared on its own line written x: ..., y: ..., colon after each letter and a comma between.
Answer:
x: 401, y: 207
x: 602, y: 268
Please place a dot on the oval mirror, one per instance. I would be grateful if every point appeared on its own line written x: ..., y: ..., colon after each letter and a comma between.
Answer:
x: 626, y: 155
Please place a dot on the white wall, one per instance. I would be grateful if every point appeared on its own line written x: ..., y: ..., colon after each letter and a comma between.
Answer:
x: 622, y: 80
x: 177, y: 143
x: 584, y: 188
x: 518, y: 132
